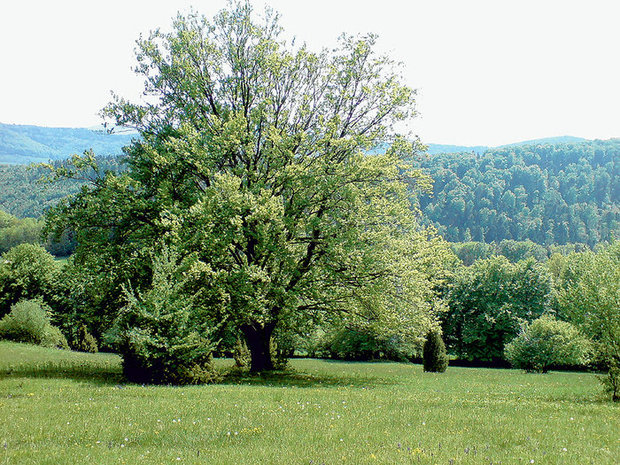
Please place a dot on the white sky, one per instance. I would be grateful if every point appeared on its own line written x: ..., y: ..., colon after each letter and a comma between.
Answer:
x: 488, y: 72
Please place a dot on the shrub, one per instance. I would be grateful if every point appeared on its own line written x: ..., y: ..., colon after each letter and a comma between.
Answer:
x: 26, y: 322
x: 363, y: 343
x: 488, y: 301
x: 279, y: 356
x: 241, y: 354
x: 29, y: 322
x: 27, y: 271
x: 161, y: 335
x: 612, y: 382
x: 434, y: 353
x: 86, y: 342
x: 53, y: 337
x: 546, y: 342
x: 588, y: 286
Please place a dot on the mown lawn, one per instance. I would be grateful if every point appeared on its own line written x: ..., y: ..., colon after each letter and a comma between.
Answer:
x: 59, y: 407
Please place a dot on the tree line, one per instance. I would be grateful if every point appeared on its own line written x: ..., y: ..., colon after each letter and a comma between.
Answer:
x: 548, y: 194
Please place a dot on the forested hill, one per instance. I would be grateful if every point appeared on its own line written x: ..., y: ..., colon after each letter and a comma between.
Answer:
x: 550, y: 192
x: 547, y: 193
x: 22, y: 195
x: 434, y: 149
x: 26, y: 144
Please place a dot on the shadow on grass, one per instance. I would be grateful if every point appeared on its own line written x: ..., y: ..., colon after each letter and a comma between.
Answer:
x: 114, y: 376
x: 81, y: 372
x: 291, y: 378
x: 594, y: 398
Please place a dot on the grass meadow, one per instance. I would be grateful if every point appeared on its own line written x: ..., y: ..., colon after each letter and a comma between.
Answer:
x: 60, y: 407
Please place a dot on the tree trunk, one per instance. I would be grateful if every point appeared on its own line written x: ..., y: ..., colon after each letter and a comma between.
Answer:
x: 258, y: 339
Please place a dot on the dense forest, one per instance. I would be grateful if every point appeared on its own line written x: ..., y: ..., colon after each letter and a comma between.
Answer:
x: 25, y: 194
x: 549, y: 194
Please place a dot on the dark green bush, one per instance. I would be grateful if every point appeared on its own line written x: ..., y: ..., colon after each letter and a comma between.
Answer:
x: 161, y: 335
x: 241, y: 354
x: 279, y: 355
x: 85, y: 341
x: 546, y: 342
x: 434, y: 354
x: 612, y: 382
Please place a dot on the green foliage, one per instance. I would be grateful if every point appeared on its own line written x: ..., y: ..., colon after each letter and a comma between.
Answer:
x: 253, y: 161
x: 7, y: 220
x: 434, y: 356
x: 26, y: 231
x: 27, y: 271
x: 612, y: 381
x: 352, y: 344
x: 363, y: 343
x: 23, y: 194
x: 545, y: 193
x: 28, y: 321
x: 86, y: 342
x: 514, y: 251
x: 161, y: 335
x: 488, y: 301
x: 279, y: 355
x: 14, y: 231
x: 588, y: 294
x: 241, y: 354
x: 470, y: 252
x: 53, y: 337
x: 546, y: 342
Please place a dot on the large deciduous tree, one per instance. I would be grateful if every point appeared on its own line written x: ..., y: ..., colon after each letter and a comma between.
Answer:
x: 264, y: 165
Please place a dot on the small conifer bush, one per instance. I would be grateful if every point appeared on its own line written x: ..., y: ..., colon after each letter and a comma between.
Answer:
x: 612, y: 382
x: 278, y: 356
x: 241, y: 354
x: 86, y: 342
x: 161, y: 335
x: 434, y: 354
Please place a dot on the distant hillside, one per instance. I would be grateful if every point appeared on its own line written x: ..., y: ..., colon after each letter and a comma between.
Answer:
x: 434, y: 149
x: 550, y: 191
x: 26, y: 144
x: 20, y: 144
x: 548, y: 140
x: 546, y: 193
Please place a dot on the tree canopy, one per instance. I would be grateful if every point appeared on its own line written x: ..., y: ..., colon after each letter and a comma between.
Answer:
x: 545, y: 193
x: 252, y: 163
x: 488, y: 301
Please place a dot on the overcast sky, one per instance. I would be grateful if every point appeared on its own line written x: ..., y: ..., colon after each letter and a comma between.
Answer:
x: 487, y: 72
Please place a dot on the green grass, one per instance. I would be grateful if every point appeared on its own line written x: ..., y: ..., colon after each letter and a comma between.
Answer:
x: 59, y: 407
